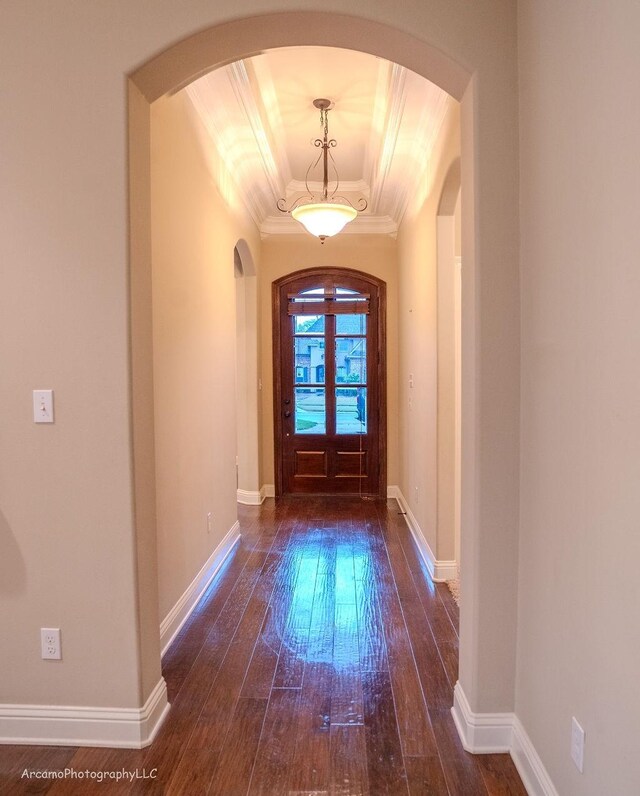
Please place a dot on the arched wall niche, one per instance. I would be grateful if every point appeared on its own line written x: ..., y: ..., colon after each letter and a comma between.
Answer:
x: 450, y: 190
x: 490, y: 380
x: 246, y: 258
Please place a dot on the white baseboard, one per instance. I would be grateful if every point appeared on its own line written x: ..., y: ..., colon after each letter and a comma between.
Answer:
x: 393, y: 492
x: 248, y: 498
x: 126, y: 728
x: 481, y: 733
x: 268, y: 490
x: 532, y: 772
x: 494, y: 733
x: 178, y: 615
x: 439, y: 570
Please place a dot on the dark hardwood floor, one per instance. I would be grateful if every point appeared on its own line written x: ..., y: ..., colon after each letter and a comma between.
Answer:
x: 321, y: 660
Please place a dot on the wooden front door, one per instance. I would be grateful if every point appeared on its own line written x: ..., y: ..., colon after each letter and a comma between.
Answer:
x: 330, y: 383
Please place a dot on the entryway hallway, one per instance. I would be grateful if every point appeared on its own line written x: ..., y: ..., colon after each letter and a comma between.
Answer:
x: 321, y: 660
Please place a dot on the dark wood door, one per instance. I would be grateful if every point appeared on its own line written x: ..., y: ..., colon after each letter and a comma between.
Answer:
x: 330, y: 383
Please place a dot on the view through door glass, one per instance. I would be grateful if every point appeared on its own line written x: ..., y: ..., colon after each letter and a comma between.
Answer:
x: 329, y: 372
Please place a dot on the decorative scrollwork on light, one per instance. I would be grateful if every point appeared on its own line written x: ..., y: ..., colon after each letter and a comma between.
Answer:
x: 331, y: 199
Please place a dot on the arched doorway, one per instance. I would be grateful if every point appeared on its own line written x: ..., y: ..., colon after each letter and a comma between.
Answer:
x: 330, y: 383
x: 490, y: 378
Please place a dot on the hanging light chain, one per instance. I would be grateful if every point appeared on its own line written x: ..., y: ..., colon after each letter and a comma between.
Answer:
x: 324, y: 122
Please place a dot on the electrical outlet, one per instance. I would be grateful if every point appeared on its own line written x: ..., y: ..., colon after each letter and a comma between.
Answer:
x: 209, y: 522
x: 50, y: 643
x: 577, y: 744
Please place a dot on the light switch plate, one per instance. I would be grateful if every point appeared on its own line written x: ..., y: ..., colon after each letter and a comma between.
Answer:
x: 43, y: 406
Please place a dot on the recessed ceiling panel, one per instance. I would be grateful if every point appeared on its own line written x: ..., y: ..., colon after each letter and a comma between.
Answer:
x: 260, y: 118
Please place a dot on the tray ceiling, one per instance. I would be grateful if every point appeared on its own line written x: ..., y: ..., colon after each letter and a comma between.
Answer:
x: 259, y: 116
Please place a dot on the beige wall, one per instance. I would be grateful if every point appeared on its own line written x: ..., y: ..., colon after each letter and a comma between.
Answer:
x: 67, y: 492
x: 578, y: 629
x: 418, y: 333
x: 373, y: 254
x: 194, y: 232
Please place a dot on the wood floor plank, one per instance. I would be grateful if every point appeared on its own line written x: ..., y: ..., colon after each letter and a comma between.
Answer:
x: 463, y: 778
x: 295, y: 638
x: 449, y: 655
x: 414, y: 726
x: 450, y: 604
x: 272, y: 770
x: 264, y: 660
x: 500, y: 775
x: 385, y: 767
x: 346, y: 690
x: 436, y: 687
x: 291, y: 660
x: 311, y: 762
x: 371, y: 642
x: 212, y: 724
x: 321, y: 630
x: 194, y: 772
x: 425, y: 776
x: 461, y: 769
x: 311, y: 765
x: 348, y: 761
x: 233, y: 773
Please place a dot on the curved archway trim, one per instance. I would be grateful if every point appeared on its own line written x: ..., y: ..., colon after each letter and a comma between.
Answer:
x: 196, y: 55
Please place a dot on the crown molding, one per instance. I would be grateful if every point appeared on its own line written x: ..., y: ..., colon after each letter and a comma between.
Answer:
x: 427, y: 130
x: 243, y: 89
x: 396, y: 90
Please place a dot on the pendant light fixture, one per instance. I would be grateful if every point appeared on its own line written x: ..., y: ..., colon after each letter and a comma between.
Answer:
x: 326, y: 214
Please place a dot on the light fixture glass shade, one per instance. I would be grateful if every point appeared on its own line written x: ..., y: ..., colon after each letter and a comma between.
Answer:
x: 324, y: 219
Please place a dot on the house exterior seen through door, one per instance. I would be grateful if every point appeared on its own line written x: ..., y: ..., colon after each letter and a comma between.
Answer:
x: 330, y: 383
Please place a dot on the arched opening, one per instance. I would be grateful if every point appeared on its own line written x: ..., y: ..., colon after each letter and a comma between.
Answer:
x: 489, y: 454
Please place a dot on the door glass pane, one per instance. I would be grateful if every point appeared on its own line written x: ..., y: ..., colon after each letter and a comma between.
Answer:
x: 308, y: 324
x: 310, y: 410
x: 351, y: 410
x: 351, y: 360
x: 309, y: 360
x: 351, y: 324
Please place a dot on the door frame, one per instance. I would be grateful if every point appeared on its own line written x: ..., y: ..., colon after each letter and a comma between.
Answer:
x: 380, y: 371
